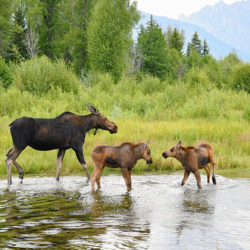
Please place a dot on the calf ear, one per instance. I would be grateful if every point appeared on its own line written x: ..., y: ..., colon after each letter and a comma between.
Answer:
x: 92, y: 109
x: 179, y: 144
x: 146, y: 144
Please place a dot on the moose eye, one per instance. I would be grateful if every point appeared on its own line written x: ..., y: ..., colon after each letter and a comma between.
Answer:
x: 148, y: 152
x: 172, y: 149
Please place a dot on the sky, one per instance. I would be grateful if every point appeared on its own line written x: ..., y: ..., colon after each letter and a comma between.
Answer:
x: 174, y: 8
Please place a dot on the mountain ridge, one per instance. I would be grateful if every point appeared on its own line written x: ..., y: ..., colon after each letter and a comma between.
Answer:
x: 229, y: 23
x: 217, y: 48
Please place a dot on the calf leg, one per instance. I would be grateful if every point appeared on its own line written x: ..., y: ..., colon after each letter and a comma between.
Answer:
x: 198, y: 178
x: 11, y: 157
x: 96, y: 176
x: 125, y: 174
x: 208, y: 171
x: 186, y: 175
x: 79, y: 154
x: 60, y: 156
x: 213, y: 177
x: 130, y: 181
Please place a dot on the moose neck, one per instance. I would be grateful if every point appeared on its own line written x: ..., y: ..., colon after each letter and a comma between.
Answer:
x: 89, y: 122
x: 139, y: 151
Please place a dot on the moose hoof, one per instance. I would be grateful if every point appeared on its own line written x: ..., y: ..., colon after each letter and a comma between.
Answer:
x: 214, y: 180
x: 21, y: 175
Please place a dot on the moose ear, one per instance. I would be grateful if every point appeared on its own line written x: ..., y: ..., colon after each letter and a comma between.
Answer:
x: 92, y: 109
x: 146, y: 144
x: 179, y: 144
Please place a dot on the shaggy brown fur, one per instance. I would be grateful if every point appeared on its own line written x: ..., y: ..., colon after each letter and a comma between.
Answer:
x: 124, y: 156
x: 63, y: 132
x: 193, y: 159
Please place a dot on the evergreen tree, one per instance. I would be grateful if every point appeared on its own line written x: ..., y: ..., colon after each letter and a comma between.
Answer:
x: 5, y: 16
x: 152, y: 45
x: 205, y: 49
x: 109, y: 35
x: 18, y: 36
x: 175, y: 39
x: 195, y: 45
x: 47, y: 29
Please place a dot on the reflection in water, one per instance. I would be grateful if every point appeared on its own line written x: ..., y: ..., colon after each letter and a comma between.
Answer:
x: 157, y: 214
x: 197, y: 207
x: 31, y: 219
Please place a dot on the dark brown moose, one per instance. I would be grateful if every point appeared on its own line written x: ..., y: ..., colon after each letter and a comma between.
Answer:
x: 124, y: 156
x: 63, y: 132
x: 193, y: 159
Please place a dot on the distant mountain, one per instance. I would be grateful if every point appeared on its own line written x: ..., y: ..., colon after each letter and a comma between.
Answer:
x: 229, y: 23
x: 217, y: 47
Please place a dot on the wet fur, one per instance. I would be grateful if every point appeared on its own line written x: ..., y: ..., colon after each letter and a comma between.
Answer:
x: 124, y: 156
x: 193, y: 159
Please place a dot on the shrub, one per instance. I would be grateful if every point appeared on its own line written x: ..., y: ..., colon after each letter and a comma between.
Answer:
x: 240, y: 79
x: 39, y: 75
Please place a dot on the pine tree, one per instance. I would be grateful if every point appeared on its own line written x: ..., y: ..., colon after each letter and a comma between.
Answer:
x: 205, y: 49
x: 18, y: 37
x: 5, y: 17
x: 47, y: 29
x: 195, y: 45
x: 152, y: 45
x: 175, y: 39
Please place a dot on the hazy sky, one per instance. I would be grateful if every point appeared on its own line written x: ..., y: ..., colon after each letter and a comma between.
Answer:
x: 173, y: 8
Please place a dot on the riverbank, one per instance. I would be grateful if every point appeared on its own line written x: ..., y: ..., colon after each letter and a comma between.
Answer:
x: 230, y: 139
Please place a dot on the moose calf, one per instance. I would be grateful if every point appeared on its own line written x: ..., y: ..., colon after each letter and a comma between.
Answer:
x: 193, y: 159
x: 124, y: 156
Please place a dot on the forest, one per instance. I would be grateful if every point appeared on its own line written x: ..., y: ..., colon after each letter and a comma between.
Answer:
x: 61, y: 55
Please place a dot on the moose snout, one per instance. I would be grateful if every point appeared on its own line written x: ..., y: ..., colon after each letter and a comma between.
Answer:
x: 149, y: 162
x: 113, y: 130
x: 164, y: 155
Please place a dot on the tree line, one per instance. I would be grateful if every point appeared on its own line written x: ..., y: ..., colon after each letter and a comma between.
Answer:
x: 96, y: 36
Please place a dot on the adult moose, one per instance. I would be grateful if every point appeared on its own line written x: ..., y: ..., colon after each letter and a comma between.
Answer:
x: 193, y: 159
x: 63, y: 132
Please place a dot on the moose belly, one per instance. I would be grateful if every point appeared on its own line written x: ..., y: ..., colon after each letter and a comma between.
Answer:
x: 112, y: 163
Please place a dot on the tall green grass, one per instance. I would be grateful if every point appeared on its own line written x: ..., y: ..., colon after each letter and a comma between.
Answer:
x: 192, y: 109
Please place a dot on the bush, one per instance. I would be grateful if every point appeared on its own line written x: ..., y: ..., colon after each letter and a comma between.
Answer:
x: 39, y: 75
x: 241, y: 77
x: 5, y: 74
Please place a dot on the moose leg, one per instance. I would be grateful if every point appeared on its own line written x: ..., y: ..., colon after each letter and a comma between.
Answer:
x: 130, y: 181
x: 20, y: 170
x: 11, y: 157
x: 186, y: 174
x: 198, y: 178
x: 213, y: 177
x: 79, y: 154
x: 208, y: 171
x: 60, y: 156
x: 125, y: 174
x: 96, y: 176
x: 98, y: 179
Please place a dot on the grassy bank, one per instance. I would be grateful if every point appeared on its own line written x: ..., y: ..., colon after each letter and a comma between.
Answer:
x: 194, y: 108
x: 229, y: 138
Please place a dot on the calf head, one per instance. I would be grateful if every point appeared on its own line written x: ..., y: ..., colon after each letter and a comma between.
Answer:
x: 146, y: 153
x: 176, y: 151
x: 102, y: 122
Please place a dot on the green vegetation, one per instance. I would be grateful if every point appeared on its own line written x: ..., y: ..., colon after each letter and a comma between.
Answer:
x: 58, y: 56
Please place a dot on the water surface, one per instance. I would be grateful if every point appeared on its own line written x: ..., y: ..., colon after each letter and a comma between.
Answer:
x: 157, y: 214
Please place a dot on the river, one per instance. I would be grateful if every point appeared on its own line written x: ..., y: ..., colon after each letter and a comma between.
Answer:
x: 157, y: 214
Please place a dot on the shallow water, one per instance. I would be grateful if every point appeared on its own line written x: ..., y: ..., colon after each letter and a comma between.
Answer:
x: 157, y: 214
